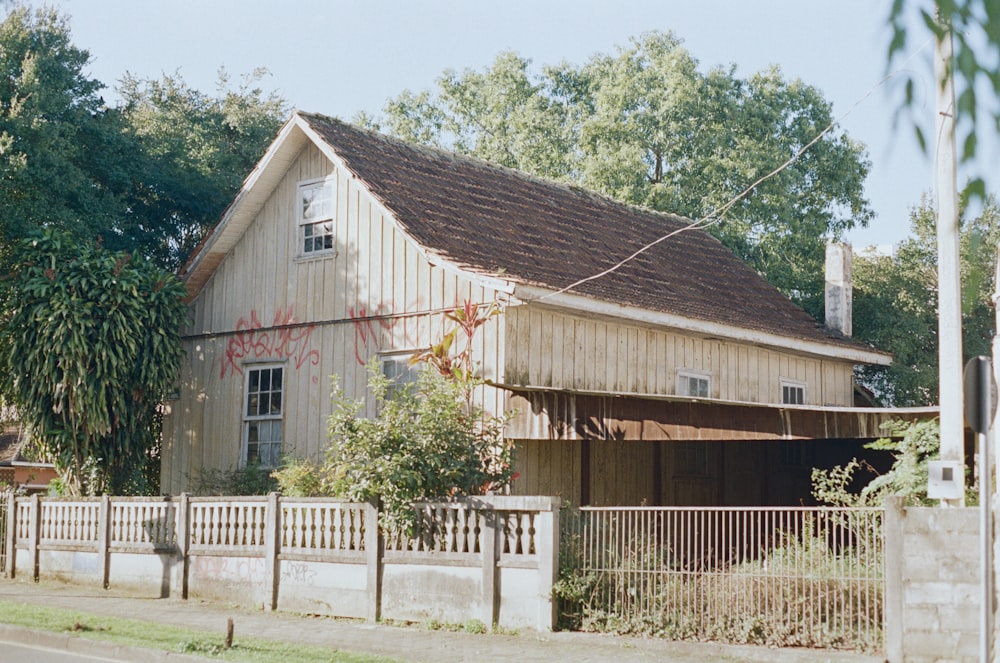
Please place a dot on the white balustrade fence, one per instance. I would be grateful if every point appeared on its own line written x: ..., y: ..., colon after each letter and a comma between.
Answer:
x: 496, y: 555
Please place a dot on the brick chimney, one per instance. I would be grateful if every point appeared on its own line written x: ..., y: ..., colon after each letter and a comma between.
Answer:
x: 838, y: 287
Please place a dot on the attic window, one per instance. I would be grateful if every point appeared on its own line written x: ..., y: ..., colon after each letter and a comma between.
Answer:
x: 793, y: 393
x: 317, y: 202
x: 694, y: 384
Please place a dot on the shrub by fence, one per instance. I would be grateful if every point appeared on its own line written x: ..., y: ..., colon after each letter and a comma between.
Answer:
x: 487, y: 558
x: 777, y: 576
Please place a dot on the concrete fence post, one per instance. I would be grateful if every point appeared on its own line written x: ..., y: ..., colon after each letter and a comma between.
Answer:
x: 374, y: 554
x: 893, y: 566
x: 34, y: 533
x: 272, y: 548
x: 104, y: 540
x: 547, y: 530
x: 182, y: 542
x: 10, y: 540
x: 492, y: 525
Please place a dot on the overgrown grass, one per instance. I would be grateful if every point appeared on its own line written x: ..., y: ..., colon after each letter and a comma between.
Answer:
x: 150, y: 635
x: 801, y: 592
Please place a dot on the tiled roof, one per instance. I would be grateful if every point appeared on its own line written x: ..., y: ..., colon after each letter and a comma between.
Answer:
x: 501, y: 222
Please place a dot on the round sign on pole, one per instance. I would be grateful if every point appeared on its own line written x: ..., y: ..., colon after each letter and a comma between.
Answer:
x: 980, y: 396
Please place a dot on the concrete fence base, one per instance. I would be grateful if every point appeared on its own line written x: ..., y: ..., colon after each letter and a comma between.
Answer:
x: 493, y: 559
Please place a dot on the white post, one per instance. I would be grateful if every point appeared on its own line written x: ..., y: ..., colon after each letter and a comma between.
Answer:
x: 949, y: 283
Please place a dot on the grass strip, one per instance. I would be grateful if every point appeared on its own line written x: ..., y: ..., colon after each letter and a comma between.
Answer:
x: 151, y: 635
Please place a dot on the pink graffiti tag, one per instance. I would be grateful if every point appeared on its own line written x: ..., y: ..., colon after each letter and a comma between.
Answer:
x: 283, y: 340
x: 365, y: 329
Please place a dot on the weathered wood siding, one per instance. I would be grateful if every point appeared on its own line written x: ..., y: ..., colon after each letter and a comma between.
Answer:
x: 318, y: 317
x: 548, y: 348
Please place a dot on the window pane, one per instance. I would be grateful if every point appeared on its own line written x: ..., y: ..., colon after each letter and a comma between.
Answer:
x: 265, y: 404
x: 253, y: 432
x: 276, y: 375
x: 254, y: 383
x: 251, y: 405
x: 253, y: 454
x: 276, y: 403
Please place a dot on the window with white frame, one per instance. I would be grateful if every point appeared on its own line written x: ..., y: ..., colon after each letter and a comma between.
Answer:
x: 397, y: 368
x: 263, y: 410
x: 316, y: 207
x: 793, y: 393
x: 695, y: 384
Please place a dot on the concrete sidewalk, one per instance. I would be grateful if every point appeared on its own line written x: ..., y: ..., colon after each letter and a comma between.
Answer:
x: 410, y: 643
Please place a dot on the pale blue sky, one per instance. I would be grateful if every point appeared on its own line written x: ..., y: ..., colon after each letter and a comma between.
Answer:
x: 343, y: 56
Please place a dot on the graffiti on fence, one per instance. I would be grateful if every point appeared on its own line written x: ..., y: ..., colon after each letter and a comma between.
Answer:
x: 285, y: 339
x: 298, y: 572
x: 229, y: 568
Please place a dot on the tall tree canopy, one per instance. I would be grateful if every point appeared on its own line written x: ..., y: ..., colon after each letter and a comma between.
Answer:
x: 64, y: 161
x: 149, y: 176
x: 896, y: 298
x: 197, y: 149
x: 645, y: 126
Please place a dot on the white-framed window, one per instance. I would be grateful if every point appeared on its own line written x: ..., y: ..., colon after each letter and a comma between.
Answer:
x: 397, y: 368
x: 793, y: 392
x: 694, y: 383
x: 317, y: 204
x: 263, y: 409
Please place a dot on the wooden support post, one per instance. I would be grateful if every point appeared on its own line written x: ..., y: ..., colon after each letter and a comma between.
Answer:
x: 182, y: 537
x: 34, y: 533
x: 374, y: 552
x: 272, y: 548
x: 104, y: 540
x: 10, y: 543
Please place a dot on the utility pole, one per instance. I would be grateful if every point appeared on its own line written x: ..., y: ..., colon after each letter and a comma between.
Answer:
x: 949, y: 280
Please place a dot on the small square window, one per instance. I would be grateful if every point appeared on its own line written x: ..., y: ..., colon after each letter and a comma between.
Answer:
x: 397, y: 368
x: 793, y: 393
x: 690, y: 459
x: 695, y: 385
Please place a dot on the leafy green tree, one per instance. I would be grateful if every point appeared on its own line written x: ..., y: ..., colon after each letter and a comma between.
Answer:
x: 91, y: 344
x: 645, y: 126
x: 198, y: 148
x: 911, y: 444
x: 975, y: 31
x: 895, y: 304
x: 150, y: 176
x: 64, y: 162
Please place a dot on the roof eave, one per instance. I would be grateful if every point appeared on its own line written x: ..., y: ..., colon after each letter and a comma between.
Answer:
x: 529, y: 294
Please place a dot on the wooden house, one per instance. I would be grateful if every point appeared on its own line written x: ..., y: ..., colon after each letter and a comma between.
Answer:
x: 679, y: 376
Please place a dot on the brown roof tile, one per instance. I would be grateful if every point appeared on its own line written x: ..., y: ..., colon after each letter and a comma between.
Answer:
x: 498, y: 221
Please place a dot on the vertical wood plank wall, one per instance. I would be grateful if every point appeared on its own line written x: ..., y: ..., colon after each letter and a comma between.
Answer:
x: 317, y: 317
x: 326, y: 316
x: 548, y: 348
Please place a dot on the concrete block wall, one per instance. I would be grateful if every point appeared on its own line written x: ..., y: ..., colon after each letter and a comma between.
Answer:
x: 932, y: 584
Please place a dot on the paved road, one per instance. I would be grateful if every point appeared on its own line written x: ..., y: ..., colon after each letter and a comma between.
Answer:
x: 15, y: 653
x: 401, y: 643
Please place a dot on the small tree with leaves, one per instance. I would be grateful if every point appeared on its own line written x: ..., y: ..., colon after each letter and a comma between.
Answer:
x: 428, y: 440
x: 912, y: 444
x: 90, y: 346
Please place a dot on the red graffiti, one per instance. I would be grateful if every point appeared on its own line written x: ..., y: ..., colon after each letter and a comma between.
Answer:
x: 283, y: 340
x: 366, y: 328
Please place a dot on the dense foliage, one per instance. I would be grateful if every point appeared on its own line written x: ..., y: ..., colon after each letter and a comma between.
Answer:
x: 895, y: 304
x: 645, y: 126
x: 857, y: 484
x: 90, y: 346
x: 150, y: 176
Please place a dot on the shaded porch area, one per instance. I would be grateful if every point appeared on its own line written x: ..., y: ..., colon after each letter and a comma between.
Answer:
x: 606, y: 450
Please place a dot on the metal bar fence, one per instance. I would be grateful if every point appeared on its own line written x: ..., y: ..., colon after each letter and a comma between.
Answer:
x: 5, y: 496
x: 808, y: 577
